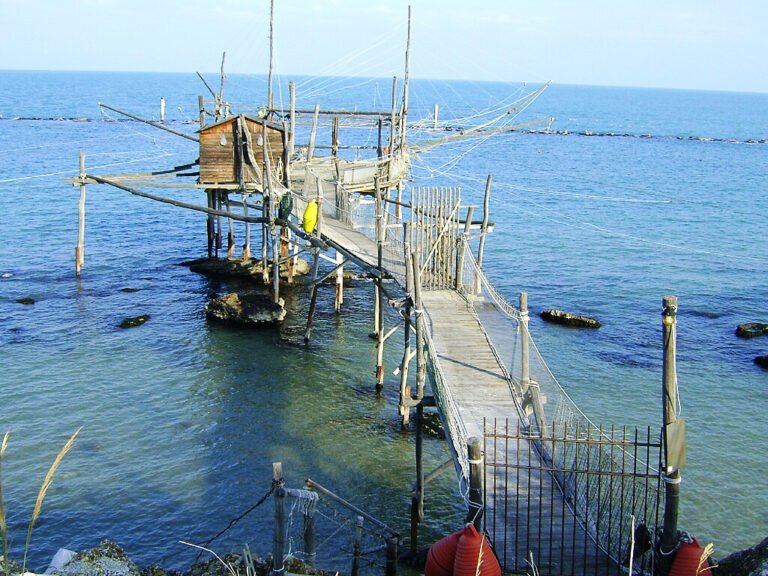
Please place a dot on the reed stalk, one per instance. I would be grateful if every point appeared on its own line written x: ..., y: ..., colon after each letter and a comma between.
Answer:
x: 47, y: 481
x: 3, y: 525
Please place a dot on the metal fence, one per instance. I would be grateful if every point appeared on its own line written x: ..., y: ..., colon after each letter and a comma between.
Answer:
x: 572, y: 501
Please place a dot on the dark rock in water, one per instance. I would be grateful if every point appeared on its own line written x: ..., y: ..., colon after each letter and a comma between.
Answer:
x: 134, y: 321
x: 129, y: 290
x: 762, y: 361
x: 239, y: 268
x: 751, y: 330
x: 568, y: 319
x: 27, y: 301
x: 246, y: 309
x: 749, y: 562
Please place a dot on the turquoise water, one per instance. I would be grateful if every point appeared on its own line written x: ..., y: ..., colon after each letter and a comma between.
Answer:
x: 182, y: 419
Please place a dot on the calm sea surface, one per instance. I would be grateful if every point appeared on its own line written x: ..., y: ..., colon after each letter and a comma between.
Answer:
x: 182, y: 419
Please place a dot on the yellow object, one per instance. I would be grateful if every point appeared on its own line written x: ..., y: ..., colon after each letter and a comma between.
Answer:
x: 310, y: 217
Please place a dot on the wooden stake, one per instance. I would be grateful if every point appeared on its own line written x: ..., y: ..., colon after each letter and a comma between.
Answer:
x: 419, y: 460
x: 357, y: 546
x: 436, y: 111
x: 210, y: 226
x: 671, y: 475
x: 80, y: 249
x: 278, y: 542
x: 405, y: 391
x: 247, y: 245
x: 309, y: 538
x: 231, y: 228
x: 311, y: 315
x: 162, y: 110
x: 292, y: 128
x: 201, y: 110
x: 421, y: 359
x: 393, y: 118
x: 475, y: 457
x: 339, y: 282
x: 391, y: 567
x: 525, y: 377
x: 379, y: 293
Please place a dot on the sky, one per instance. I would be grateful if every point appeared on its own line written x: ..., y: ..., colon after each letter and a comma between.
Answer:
x: 687, y: 44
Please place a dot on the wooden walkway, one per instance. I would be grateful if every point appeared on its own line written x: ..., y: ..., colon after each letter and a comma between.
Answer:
x: 479, y: 392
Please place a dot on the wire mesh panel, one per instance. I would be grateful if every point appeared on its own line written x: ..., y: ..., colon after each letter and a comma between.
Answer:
x: 571, y: 501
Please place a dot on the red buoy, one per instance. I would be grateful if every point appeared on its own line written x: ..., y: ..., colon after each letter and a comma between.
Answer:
x: 441, y: 556
x: 689, y: 560
x: 473, y: 551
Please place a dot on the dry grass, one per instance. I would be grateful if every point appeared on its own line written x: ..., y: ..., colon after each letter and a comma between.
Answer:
x: 3, y: 525
x: 44, y: 489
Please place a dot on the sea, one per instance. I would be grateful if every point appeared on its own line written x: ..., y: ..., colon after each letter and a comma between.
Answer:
x: 625, y: 196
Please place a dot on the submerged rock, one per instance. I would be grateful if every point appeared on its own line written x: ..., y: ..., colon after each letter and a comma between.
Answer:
x: 762, y: 361
x: 751, y: 330
x: 246, y: 309
x: 130, y: 290
x: 26, y: 301
x: 239, y: 268
x: 134, y: 321
x: 749, y: 562
x: 568, y: 319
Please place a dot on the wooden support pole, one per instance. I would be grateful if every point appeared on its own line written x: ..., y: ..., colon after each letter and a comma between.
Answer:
x: 379, y: 294
x: 311, y: 314
x: 421, y: 357
x: 483, y: 228
x: 335, y: 136
x: 80, y: 248
x: 210, y: 223
x: 310, y: 538
x: 201, y: 110
x: 391, y: 566
x: 393, y: 118
x: 312, y: 134
x: 270, y: 98
x: 278, y: 543
x: 671, y: 475
x: 420, y: 460
x: 339, y: 282
x: 219, y: 241
x: 406, y: 75
x: 475, y: 457
x: 405, y: 389
x: 230, y: 229
x: 271, y: 208
x: 379, y: 149
x: 292, y: 119
x: 247, y: 244
x: 460, y: 249
x: 357, y: 546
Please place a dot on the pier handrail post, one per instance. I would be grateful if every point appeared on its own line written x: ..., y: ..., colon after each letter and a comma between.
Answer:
x: 475, y: 457
x: 525, y: 376
x: 80, y: 249
x: 309, y: 538
x: 278, y: 542
x: 673, y: 431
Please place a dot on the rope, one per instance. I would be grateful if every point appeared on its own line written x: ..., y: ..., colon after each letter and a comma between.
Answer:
x: 234, y: 521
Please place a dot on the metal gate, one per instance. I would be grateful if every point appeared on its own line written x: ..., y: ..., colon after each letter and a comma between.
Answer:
x: 583, y: 500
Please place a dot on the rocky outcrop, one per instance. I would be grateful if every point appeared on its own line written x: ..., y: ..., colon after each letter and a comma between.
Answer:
x: 246, y: 309
x: 762, y: 361
x: 749, y: 562
x: 568, y: 319
x: 751, y: 330
x: 239, y: 268
x: 134, y: 321
x: 26, y: 301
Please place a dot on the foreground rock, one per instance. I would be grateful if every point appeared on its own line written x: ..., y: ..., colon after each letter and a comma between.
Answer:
x: 246, y: 309
x: 751, y: 330
x: 762, y: 361
x: 239, y: 268
x: 568, y: 319
x: 749, y: 562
